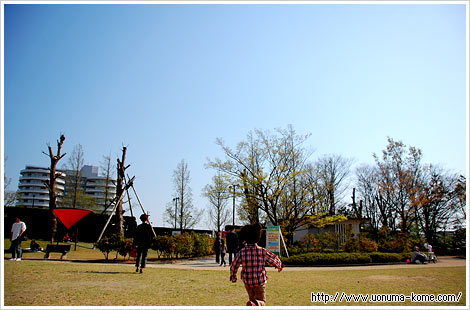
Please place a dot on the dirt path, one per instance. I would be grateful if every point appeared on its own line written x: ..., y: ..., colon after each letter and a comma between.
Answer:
x: 210, y: 264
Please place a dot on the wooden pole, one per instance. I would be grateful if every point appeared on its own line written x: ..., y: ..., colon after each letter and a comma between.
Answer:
x: 115, y: 207
x: 76, y: 238
x: 137, y: 196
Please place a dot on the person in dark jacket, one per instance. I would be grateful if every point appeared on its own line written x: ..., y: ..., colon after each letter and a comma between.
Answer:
x: 216, y: 248
x: 232, y: 243
x: 142, y: 241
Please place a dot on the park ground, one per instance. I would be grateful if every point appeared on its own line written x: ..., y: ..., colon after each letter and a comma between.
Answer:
x: 85, y: 279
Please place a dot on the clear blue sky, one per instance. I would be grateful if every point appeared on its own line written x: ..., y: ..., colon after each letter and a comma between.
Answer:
x: 167, y: 80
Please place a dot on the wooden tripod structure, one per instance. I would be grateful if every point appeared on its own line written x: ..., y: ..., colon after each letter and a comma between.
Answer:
x: 116, y: 201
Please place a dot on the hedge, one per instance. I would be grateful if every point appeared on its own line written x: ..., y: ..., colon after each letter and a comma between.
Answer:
x: 184, y: 245
x: 341, y: 258
x: 177, y: 246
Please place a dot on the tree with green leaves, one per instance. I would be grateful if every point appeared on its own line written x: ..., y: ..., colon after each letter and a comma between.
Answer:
x: 271, y: 172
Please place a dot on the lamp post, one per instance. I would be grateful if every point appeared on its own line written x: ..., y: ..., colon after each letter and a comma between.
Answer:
x: 233, y: 214
x: 33, y: 200
x: 176, y: 208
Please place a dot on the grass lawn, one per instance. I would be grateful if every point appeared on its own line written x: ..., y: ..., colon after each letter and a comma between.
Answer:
x: 65, y: 283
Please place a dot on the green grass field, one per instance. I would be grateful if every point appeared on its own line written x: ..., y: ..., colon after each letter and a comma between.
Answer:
x: 75, y: 283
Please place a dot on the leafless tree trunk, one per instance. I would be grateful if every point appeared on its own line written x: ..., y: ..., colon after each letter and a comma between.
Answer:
x: 50, y: 184
x: 333, y: 171
x: 119, y: 191
x: 106, y: 171
x: 75, y: 164
x: 186, y: 215
x: 218, y: 193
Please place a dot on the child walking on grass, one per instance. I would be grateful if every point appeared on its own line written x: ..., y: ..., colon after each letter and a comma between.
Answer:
x: 253, y: 258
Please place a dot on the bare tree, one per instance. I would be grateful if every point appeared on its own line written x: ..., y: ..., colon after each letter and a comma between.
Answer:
x: 435, y: 201
x: 367, y: 192
x: 460, y: 192
x: 218, y: 193
x: 10, y: 197
x: 120, y: 188
x: 399, y: 170
x: 75, y: 196
x: 50, y: 184
x: 332, y: 174
x: 107, y: 170
x: 186, y: 216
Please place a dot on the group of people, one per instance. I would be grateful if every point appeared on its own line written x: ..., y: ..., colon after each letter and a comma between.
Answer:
x: 419, y: 257
x: 17, y: 235
x: 243, y: 251
x: 230, y: 244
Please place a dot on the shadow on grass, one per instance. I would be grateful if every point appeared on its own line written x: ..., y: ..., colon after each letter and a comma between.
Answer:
x: 110, y: 272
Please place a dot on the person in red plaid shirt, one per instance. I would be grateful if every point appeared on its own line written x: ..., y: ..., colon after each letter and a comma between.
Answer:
x: 253, y: 258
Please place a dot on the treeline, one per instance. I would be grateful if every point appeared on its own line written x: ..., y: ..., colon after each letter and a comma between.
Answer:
x: 273, y: 176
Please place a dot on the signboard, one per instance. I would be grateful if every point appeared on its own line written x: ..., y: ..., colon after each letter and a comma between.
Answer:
x: 273, y: 239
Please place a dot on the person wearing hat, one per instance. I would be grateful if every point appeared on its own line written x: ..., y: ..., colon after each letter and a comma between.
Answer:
x: 142, y: 241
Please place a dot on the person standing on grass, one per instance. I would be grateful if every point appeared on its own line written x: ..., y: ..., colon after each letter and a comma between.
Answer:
x: 223, y: 249
x: 216, y: 247
x: 232, y: 243
x: 17, y: 231
x: 253, y: 258
x: 142, y: 241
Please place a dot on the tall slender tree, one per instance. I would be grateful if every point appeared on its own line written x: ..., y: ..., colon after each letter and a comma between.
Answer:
x: 218, y: 193
x: 51, y: 183
x: 187, y: 216
x: 107, y: 170
x: 75, y: 195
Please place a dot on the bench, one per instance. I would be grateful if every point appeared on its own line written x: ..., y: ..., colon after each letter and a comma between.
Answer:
x: 57, y: 248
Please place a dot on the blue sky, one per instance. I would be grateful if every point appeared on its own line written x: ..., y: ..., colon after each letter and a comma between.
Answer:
x: 167, y: 80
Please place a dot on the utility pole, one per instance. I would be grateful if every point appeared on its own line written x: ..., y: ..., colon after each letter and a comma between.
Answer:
x: 176, y: 208
x: 233, y: 214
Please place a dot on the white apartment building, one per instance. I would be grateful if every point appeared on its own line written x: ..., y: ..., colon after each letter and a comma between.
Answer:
x: 97, y: 187
x: 32, y: 190
x: 34, y: 193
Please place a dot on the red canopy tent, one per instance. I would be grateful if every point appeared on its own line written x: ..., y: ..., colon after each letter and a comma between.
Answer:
x: 70, y: 217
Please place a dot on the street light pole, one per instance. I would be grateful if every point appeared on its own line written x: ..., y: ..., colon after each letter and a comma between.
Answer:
x: 233, y: 214
x: 176, y: 208
x: 33, y: 200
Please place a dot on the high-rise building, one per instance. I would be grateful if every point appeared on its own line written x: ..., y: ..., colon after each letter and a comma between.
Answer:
x: 98, y: 187
x: 32, y: 190
x: 34, y: 193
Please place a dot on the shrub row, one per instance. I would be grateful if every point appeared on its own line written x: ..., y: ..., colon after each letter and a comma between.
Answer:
x: 122, y: 246
x: 178, y: 246
x: 184, y: 245
x: 344, y: 258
